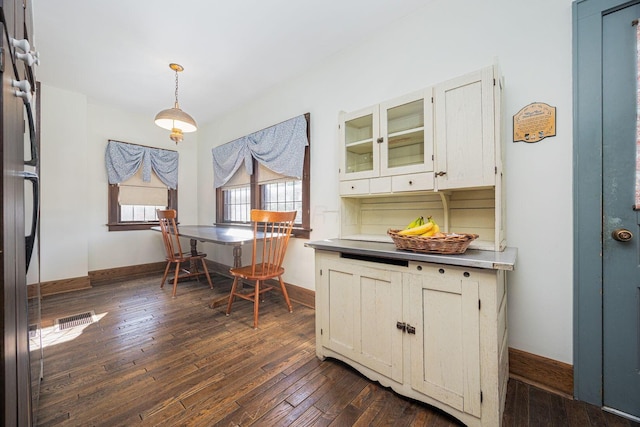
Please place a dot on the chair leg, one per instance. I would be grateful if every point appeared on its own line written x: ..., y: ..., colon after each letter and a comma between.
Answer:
x: 175, y: 279
x: 286, y: 295
x: 166, y: 272
x: 206, y: 272
x: 232, y: 295
x: 256, y: 303
x: 194, y: 270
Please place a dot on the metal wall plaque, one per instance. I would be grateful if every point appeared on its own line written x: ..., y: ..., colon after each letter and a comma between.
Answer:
x: 534, y: 122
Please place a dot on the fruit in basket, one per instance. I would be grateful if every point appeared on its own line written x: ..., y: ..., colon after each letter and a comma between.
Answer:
x: 417, y: 230
x: 415, y: 223
x: 435, y: 228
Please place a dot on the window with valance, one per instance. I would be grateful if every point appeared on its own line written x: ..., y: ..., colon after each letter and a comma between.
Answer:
x: 268, y: 169
x: 141, y: 180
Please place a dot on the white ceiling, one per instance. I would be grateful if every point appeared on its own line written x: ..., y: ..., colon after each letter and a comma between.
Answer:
x: 117, y: 52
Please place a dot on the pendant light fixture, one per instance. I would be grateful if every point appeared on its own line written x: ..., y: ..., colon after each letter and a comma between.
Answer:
x: 174, y: 119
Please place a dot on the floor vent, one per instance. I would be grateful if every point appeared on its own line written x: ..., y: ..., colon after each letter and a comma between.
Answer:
x: 69, y: 322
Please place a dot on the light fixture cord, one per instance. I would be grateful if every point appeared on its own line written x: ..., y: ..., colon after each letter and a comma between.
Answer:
x: 177, y: 105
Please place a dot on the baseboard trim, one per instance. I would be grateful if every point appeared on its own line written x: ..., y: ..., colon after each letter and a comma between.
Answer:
x: 55, y: 287
x: 541, y: 372
x: 117, y: 273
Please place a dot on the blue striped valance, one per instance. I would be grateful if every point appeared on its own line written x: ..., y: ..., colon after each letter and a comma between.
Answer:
x: 123, y: 160
x: 279, y: 148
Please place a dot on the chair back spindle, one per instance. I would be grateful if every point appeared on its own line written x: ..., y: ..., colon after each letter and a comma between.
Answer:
x: 275, y: 227
x: 169, y: 227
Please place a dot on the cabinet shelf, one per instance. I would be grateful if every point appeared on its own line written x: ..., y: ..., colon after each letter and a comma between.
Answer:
x: 406, y: 137
x: 357, y: 146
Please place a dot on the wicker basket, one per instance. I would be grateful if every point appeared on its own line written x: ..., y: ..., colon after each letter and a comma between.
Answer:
x: 449, y: 243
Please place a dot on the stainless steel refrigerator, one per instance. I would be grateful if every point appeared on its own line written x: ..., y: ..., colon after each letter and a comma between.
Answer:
x: 19, y: 191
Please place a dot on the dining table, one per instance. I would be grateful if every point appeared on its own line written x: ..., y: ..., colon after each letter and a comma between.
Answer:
x: 219, y: 234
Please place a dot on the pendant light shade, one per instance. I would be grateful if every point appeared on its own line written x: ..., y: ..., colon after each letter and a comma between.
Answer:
x: 174, y: 119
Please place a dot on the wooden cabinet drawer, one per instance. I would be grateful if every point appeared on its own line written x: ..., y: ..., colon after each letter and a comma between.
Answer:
x: 412, y: 182
x: 357, y: 186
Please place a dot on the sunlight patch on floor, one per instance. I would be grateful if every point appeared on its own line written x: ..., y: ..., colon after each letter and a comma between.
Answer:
x: 52, y: 335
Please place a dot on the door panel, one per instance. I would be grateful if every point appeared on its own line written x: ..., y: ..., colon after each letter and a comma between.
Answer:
x: 364, y: 304
x: 620, y: 270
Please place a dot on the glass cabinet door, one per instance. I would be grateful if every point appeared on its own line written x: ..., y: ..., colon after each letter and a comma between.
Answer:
x: 360, y: 136
x: 408, y: 143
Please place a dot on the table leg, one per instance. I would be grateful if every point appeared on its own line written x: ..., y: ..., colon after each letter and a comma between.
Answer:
x: 193, y: 266
x: 237, y: 256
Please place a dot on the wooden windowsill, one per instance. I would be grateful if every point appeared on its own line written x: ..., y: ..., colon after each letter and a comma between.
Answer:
x: 132, y: 226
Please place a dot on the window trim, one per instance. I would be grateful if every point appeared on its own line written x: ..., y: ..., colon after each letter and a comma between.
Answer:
x: 302, y: 231
x: 115, y: 224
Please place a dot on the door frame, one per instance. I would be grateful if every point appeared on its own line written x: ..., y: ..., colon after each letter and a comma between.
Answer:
x: 587, y: 195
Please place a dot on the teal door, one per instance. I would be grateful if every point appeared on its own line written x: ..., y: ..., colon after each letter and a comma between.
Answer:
x: 620, y: 225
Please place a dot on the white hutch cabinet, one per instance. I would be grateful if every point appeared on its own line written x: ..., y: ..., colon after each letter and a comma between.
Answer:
x: 388, y: 148
x: 432, y: 327
x: 467, y: 125
x: 432, y: 331
x: 434, y: 152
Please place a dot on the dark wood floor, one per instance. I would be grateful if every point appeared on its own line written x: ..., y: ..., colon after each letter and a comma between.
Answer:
x: 153, y: 360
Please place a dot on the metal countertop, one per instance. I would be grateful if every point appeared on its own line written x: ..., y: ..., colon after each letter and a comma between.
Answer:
x: 504, y: 260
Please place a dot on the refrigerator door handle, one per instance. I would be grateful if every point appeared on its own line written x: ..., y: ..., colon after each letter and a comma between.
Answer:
x: 32, y: 137
x: 31, y: 238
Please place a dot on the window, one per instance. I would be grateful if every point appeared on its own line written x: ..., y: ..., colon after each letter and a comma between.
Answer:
x: 133, y: 207
x: 133, y: 202
x: 266, y: 190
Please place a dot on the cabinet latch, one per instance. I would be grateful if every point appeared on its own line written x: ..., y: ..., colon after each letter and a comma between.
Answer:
x: 411, y: 329
x: 401, y: 325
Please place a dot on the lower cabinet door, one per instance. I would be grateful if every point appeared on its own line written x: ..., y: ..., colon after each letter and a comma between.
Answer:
x: 361, y: 308
x: 445, y: 349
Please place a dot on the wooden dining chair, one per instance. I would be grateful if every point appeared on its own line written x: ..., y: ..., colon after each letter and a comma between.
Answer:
x: 271, y: 232
x: 186, y: 263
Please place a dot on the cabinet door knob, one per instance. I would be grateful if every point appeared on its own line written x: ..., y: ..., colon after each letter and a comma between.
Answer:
x: 441, y: 173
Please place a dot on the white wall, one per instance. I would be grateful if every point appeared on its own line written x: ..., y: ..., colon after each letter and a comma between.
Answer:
x: 441, y: 41
x: 123, y: 248
x: 438, y: 42
x: 75, y: 238
x: 63, y: 185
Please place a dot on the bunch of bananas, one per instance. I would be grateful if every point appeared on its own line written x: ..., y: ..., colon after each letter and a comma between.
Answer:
x: 420, y: 227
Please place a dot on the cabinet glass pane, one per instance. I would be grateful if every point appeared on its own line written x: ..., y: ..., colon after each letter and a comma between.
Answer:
x: 405, y: 126
x: 359, y: 144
